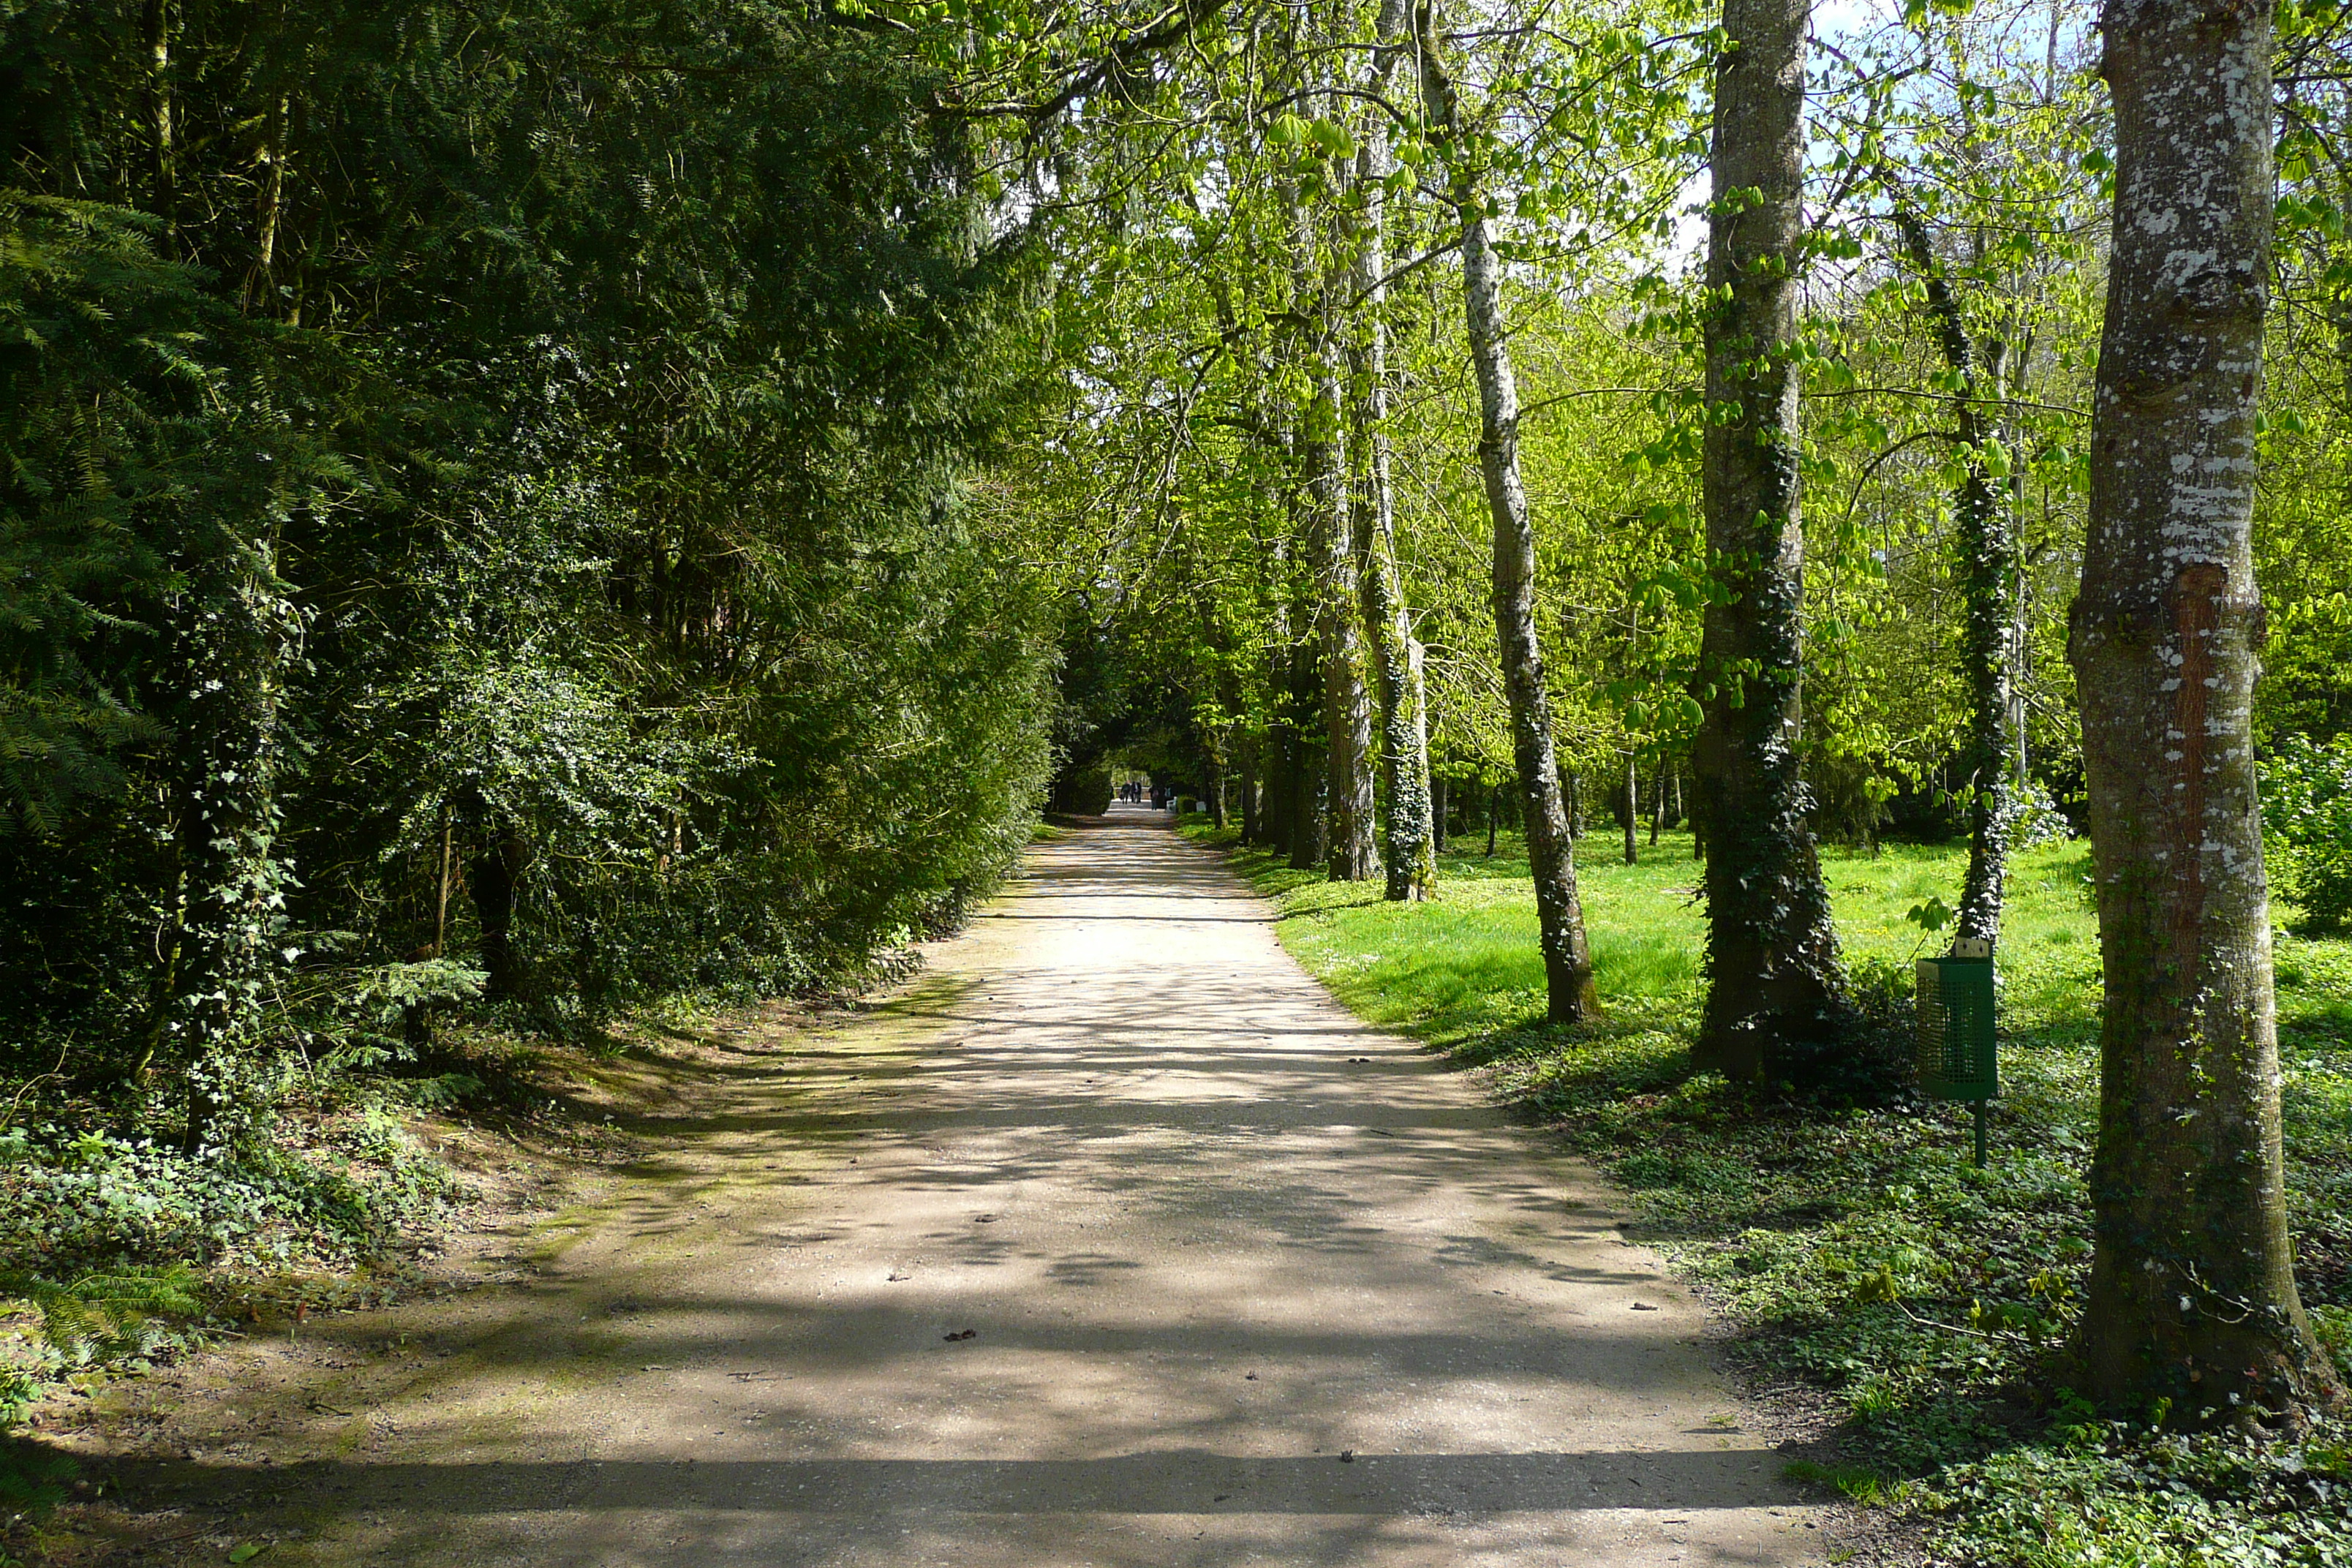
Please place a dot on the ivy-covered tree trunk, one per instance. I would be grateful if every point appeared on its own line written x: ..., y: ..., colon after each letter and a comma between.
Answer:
x: 238, y: 632
x: 2192, y: 1305
x: 1411, y: 836
x: 1989, y: 588
x: 1775, y: 988
x: 1560, y: 915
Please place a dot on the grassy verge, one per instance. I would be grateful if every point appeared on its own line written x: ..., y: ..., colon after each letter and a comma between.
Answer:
x: 1859, y: 1254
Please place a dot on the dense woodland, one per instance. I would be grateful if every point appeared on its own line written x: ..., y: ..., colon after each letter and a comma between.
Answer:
x: 519, y: 514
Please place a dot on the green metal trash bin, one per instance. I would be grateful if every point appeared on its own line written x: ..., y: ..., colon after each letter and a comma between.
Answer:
x: 1958, y: 1060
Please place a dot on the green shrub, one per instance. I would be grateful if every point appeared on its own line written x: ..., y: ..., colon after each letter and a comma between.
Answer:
x: 2307, y: 815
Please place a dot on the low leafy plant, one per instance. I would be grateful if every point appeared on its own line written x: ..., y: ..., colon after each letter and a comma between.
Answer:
x: 2307, y: 821
x: 32, y: 1481
x: 119, y: 1250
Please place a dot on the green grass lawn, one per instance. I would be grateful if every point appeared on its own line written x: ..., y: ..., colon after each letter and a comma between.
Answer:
x: 1858, y: 1250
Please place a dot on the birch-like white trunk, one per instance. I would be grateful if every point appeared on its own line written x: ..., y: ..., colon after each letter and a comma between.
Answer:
x: 1349, y: 810
x: 1409, y: 832
x: 1567, y: 953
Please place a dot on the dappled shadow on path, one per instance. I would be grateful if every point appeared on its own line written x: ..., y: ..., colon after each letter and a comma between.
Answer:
x: 1183, y: 1480
x: 1116, y: 1218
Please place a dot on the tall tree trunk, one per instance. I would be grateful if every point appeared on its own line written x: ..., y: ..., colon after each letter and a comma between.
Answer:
x: 1350, y: 813
x: 1410, y: 836
x: 1437, y: 809
x: 1278, y: 817
x: 1352, y: 809
x: 1988, y: 573
x: 1310, y: 820
x: 1346, y: 699
x: 2192, y: 1297
x: 240, y: 632
x: 1252, y: 827
x: 1278, y: 808
x: 1311, y: 842
x: 1658, y: 804
x: 1633, y: 805
x: 1568, y: 956
x: 163, y: 151
x: 1775, y: 990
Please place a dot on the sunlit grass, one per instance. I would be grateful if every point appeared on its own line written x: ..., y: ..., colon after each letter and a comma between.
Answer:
x: 1468, y: 962
x: 1843, y: 1240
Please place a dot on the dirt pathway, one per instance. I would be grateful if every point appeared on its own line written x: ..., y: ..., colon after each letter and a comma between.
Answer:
x: 1113, y: 1242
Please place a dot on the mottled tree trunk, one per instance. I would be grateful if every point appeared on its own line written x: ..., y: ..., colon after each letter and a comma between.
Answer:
x: 1348, y: 813
x: 1568, y: 956
x: 1989, y: 569
x: 1775, y: 987
x: 1410, y: 838
x: 1277, y: 813
x: 2192, y: 1298
x: 1351, y: 806
x: 162, y: 180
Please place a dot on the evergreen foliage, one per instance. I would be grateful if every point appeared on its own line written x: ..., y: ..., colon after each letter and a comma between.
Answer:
x: 490, y: 511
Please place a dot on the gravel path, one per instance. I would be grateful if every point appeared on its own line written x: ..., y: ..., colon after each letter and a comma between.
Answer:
x: 1113, y: 1241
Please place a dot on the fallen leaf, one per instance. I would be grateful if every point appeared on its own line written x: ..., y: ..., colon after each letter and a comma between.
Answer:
x: 246, y: 1551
